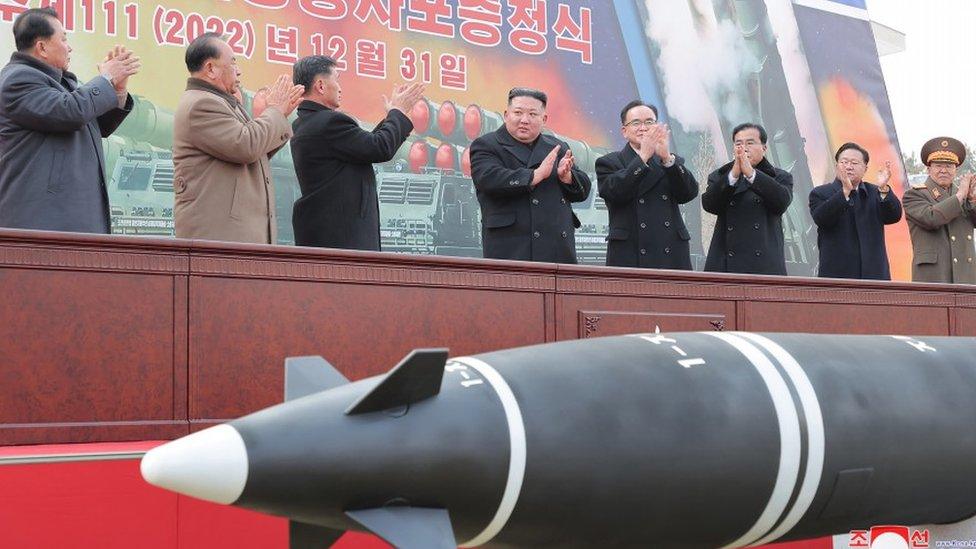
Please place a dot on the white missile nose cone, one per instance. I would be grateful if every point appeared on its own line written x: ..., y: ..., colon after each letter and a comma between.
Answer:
x: 210, y: 465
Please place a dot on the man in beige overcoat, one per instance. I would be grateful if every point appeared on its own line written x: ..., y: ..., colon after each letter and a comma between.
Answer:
x: 941, y: 216
x: 222, y: 180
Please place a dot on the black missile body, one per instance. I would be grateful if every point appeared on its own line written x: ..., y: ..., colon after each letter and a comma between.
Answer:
x: 652, y: 440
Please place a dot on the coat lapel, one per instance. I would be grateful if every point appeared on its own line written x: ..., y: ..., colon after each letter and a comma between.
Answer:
x: 543, y: 146
x: 514, y: 148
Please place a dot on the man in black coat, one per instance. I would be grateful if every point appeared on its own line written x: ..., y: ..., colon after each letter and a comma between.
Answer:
x: 52, y: 167
x: 850, y: 214
x: 334, y: 159
x: 642, y: 186
x: 525, y: 182
x: 749, y: 195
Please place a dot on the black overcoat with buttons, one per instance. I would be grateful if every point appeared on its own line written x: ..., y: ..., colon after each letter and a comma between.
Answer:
x: 519, y: 221
x: 646, y: 228
x: 334, y: 163
x: 748, y: 235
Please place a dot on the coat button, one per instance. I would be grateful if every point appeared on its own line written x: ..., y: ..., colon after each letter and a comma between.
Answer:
x: 952, y: 238
x: 667, y: 223
x: 758, y: 253
x: 643, y: 251
x: 667, y: 250
x: 536, y: 234
x: 535, y: 201
x: 565, y: 234
x: 731, y: 254
x: 757, y: 200
x: 755, y: 226
x: 730, y: 228
x: 969, y: 237
x: 664, y: 197
x: 96, y: 91
x: 562, y: 200
x: 643, y: 225
x: 640, y: 201
x: 955, y: 260
x: 732, y: 203
x: 969, y: 259
x: 637, y: 171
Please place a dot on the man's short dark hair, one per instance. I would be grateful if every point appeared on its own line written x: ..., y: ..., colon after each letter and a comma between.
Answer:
x: 202, y: 49
x: 856, y: 147
x: 633, y: 104
x: 528, y: 92
x: 33, y: 25
x: 751, y: 126
x: 307, y: 69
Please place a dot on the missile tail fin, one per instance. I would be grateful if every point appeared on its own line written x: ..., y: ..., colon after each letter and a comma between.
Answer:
x: 417, y: 377
x: 310, y: 536
x: 409, y: 527
x: 306, y: 375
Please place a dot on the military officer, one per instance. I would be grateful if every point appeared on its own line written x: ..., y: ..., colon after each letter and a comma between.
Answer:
x: 941, y: 216
x: 525, y: 182
x: 642, y: 185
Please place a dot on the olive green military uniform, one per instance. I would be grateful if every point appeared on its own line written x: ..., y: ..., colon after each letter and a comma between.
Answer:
x: 942, y: 234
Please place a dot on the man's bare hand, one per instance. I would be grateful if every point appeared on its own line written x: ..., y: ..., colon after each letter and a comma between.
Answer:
x: 119, y: 64
x: 404, y: 97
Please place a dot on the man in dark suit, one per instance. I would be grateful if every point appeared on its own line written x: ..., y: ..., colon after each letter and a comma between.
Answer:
x: 334, y: 159
x: 749, y: 195
x: 642, y: 186
x: 525, y: 182
x: 850, y: 214
x: 52, y: 169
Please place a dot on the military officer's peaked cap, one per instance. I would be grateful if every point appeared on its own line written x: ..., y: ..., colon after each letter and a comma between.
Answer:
x: 943, y: 149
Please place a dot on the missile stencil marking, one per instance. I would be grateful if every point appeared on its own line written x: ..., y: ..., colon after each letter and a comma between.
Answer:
x: 919, y: 345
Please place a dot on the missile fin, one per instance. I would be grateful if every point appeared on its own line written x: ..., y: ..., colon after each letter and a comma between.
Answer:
x: 417, y: 377
x: 306, y: 375
x: 409, y: 527
x: 310, y: 536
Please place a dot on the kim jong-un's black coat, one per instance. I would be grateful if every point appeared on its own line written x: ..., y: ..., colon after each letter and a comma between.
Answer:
x: 646, y: 229
x: 748, y: 235
x: 334, y: 163
x: 519, y: 221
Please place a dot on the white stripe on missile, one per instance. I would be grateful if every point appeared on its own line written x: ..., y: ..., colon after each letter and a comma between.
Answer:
x: 789, y: 436
x: 210, y: 465
x: 517, y: 457
x: 816, y: 444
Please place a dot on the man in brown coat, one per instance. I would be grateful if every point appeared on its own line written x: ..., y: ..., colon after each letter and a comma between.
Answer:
x: 941, y: 217
x: 222, y: 180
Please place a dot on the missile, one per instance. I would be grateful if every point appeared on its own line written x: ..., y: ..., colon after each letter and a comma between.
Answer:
x: 687, y: 440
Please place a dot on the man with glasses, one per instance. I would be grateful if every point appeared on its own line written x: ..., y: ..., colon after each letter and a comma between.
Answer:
x: 525, y: 182
x: 850, y: 214
x: 749, y: 195
x: 941, y: 216
x: 643, y: 184
x: 222, y: 176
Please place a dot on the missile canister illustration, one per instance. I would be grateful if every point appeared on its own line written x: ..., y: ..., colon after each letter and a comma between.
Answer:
x: 717, y: 439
